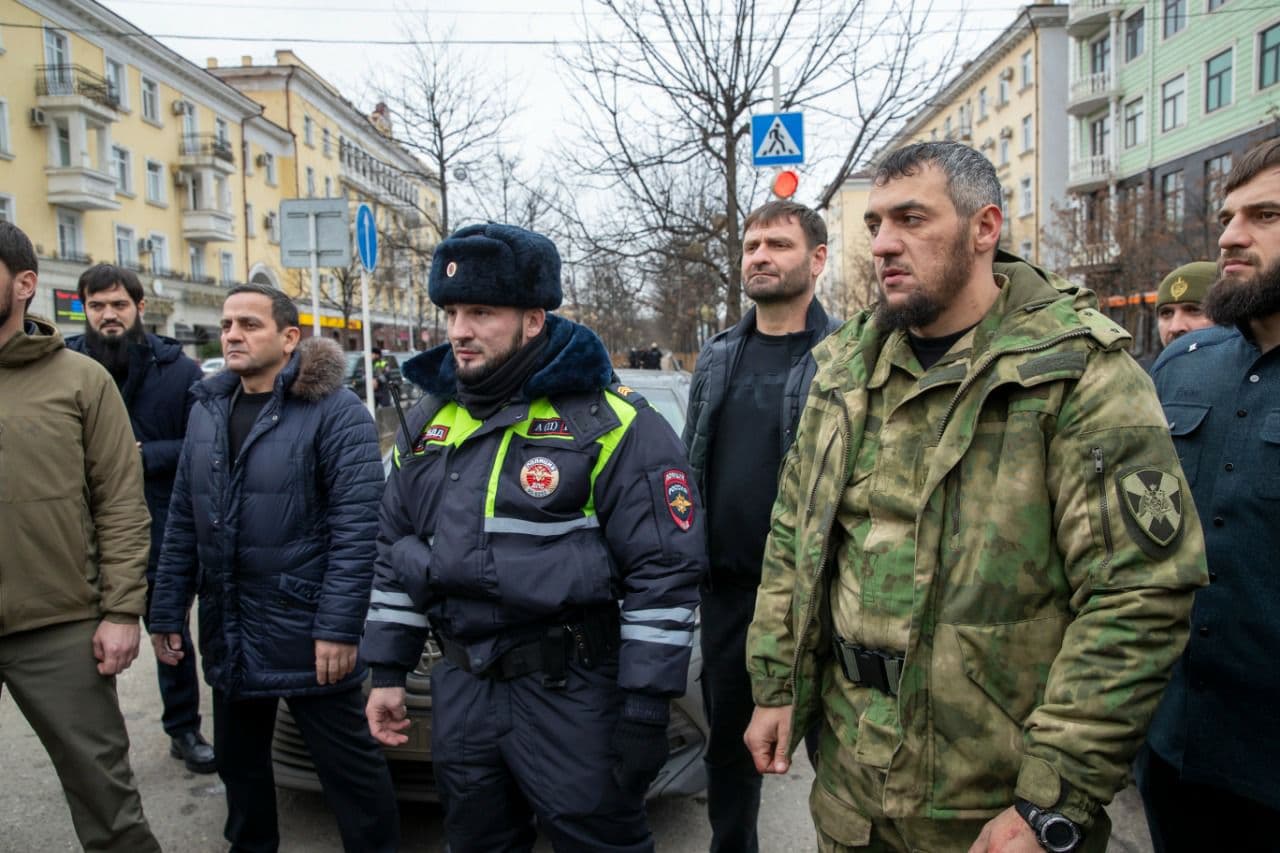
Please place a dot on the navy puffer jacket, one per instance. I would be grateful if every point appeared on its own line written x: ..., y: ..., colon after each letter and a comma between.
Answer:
x: 278, y: 543
x: 158, y: 397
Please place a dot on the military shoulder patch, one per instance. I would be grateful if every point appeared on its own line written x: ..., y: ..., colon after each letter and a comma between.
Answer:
x: 1152, y: 506
x: 675, y: 486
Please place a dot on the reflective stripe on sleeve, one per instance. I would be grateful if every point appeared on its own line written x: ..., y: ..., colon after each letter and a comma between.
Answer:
x: 402, y: 617
x: 645, y: 634
x: 396, y: 599
x: 670, y: 614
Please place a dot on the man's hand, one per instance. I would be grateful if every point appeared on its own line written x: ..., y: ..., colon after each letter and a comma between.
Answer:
x: 1007, y: 832
x: 168, y: 648
x: 334, y: 661
x: 115, y: 646
x: 767, y: 738
x: 387, y: 715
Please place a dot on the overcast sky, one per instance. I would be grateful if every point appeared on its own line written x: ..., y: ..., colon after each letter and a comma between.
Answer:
x: 492, y: 31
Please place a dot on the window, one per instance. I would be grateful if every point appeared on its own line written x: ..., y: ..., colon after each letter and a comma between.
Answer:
x: 221, y: 132
x: 328, y: 187
x: 269, y: 163
x: 62, y: 131
x: 1171, y: 197
x: 946, y: 128
x: 1216, y: 170
x: 117, y: 81
x: 308, y: 131
x: 1002, y: 91
x: 222, y: 194
x: 57, y: 55
x: 1028, y: 70
x: 1175, y: 16
x: 1028, y: 134
x: 1135, y: 125
x: 1133, y: 36
x: 68, y: 235
x: 1026, y: 250
x: 190, y: 125
x: 120, y: 169
x: 150, y: 100
x: 311, y: 182
x: 250, y: 226
x: 1100, y: 137
x: 1004, y: 151
x: 6, y: 208
x: 1100, y: 55
x: 1215, y: 5
x: 273, y: 227
x: 126, y: 248
x: 1269, y: 57
x: 1173, y: 103
x: 226, y: 268
x: 1026, y: 201
x: 982, y: 103
x: 195, y: 256
x: 4, y: 128
x: 1217, y: 82
x: 159, y: 255
x: 155, y: 182
x: 326, y: 142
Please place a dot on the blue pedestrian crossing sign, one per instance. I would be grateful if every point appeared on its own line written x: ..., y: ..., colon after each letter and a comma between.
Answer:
x: 367, y: 237
x: 777, y: 139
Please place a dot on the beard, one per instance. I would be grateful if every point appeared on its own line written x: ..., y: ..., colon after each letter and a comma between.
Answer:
x: 112, y: 351
x: 925, y: 304
x: 790, y: 285
x: 1235, y: 301
x: 475, y: 375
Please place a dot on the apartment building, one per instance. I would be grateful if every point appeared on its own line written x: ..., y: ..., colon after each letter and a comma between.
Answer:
x: 1164, y: 95
x: 340, y: 151
x: 115, y: 148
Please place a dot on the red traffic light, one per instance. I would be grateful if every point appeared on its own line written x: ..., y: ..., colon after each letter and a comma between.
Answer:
x: 785, y: 183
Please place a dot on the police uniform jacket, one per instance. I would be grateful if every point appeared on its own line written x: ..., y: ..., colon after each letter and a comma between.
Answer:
x: 573, y: 498
x: 278, y: 541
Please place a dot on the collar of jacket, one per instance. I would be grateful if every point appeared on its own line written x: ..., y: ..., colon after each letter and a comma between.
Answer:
x: 38, y: 338
x: 815, y: 319
x: 576, y: 361
x: 315, y: 370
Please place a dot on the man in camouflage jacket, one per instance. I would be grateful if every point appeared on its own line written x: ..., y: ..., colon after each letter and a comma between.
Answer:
x: 983, y: 551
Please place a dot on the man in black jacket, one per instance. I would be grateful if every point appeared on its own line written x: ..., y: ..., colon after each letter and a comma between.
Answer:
x: 155, y: 379
x: 272, y: 523
x: 748, y: 391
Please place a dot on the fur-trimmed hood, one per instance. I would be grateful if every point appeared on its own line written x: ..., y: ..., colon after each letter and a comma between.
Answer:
x: 315, y: 370
x: 576, y: 361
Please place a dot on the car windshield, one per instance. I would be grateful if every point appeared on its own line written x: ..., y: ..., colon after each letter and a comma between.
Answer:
x: 667, y: 391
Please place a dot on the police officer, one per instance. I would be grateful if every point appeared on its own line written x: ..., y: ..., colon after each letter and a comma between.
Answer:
x: 542, y: 522
x: 381, y: 391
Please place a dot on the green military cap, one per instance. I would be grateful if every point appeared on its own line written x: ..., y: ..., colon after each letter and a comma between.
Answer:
x: 1188, y: 283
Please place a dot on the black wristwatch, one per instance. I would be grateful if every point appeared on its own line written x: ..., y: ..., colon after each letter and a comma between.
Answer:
x: 1056, y: 833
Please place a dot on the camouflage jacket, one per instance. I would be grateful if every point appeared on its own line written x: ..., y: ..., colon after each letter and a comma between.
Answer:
x: 1048, y: 604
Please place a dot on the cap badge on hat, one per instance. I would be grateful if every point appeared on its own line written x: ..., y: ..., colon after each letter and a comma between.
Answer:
x: 1178, y: 288
x: 452, y: 269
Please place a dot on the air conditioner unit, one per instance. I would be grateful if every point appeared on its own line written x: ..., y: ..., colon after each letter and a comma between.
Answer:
x: 261, y: 160
x: 181, y: 107
x: 38, y: 118
x: 145, y: 246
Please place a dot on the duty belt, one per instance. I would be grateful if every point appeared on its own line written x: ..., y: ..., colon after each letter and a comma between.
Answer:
x: 869, y: 667
x: 589, y: 640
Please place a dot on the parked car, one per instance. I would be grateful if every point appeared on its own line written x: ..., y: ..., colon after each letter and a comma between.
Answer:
x: 682, y: 775
x: 211, y: 366
x: 355, y: 374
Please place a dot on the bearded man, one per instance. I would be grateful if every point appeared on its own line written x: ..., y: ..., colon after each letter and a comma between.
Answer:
x: 960, y: 587
x: 155, y: 379
x: 1212, y: 749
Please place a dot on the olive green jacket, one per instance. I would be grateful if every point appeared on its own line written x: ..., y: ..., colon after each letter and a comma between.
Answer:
x: 1045, y: 616
x: 74, y: 527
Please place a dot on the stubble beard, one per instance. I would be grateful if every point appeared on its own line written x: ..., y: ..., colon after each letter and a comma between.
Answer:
x: 1233, y: 301
x: 791, y: 285
x: 476, y: 375
x: 926, y: 304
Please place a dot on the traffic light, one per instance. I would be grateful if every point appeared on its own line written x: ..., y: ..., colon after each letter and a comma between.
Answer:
x: 785, y: 183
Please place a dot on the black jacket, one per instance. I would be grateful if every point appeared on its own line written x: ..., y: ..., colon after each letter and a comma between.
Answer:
x: 279, y: 543
x: 158, y: 395
x: 576, y: 497
x: 711, y: 376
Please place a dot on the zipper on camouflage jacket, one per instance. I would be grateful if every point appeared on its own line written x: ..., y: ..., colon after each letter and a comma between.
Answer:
x: 1100, y: 468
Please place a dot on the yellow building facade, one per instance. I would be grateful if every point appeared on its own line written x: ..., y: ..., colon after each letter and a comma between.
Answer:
x: 1008, y: 103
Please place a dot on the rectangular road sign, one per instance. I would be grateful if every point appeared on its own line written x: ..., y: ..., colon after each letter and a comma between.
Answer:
x: 777, y: 139
x: 333, y: 232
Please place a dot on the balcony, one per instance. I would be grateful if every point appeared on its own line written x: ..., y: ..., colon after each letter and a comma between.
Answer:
x: 207, y: 226
x: 206, y: 151
x: 81, y: 188
x: 1086, y: 17
x: 73, y: 88
x: 1090, y: 92
x: 1090, y: 173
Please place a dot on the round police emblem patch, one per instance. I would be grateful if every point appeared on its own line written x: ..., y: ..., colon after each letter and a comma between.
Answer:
x: 451, y: 270
x: 539, y: 477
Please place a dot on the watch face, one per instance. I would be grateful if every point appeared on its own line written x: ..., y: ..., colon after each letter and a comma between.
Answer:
x: 1059, y: 834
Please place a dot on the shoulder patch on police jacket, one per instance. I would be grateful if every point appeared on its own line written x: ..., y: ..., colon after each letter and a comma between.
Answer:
x: 675, y: 488
x: 629, y: 394
x: 1153, y: 505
